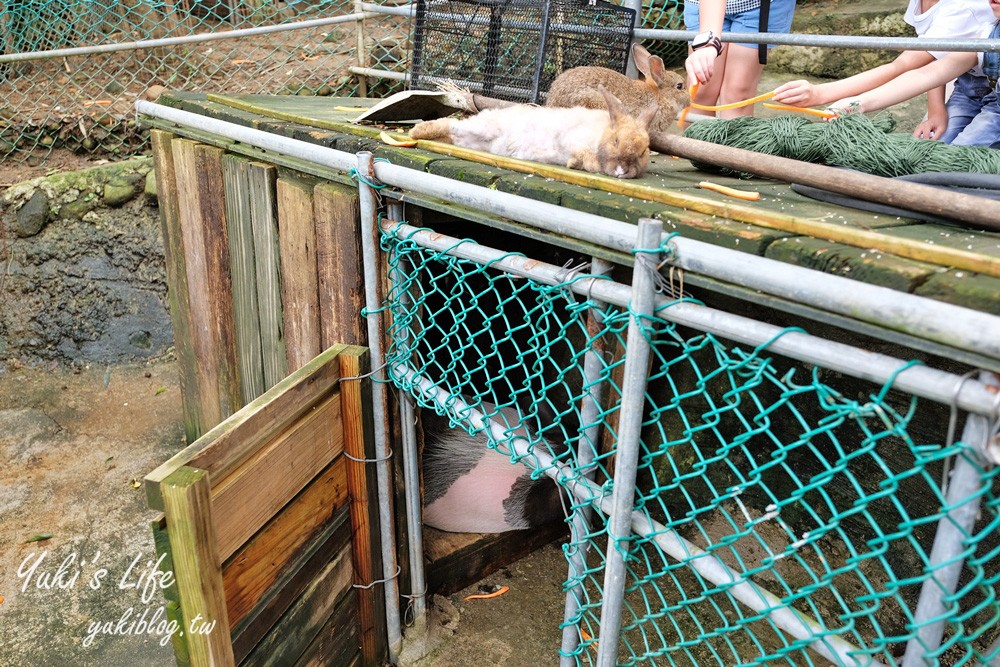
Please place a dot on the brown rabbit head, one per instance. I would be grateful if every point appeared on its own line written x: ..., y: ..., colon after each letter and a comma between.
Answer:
x: 665, y: 88
x: 668, y: 87
x: 623, y: 150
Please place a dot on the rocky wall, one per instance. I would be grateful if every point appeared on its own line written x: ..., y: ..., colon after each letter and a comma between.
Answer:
x: 82, y: 275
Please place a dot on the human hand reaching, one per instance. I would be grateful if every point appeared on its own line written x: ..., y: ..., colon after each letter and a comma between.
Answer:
x: 798, y: 93
x: 700, y: 65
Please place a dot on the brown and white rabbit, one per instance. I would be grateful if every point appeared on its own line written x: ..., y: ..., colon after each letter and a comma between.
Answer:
x: 578, y: 87
x: 610, y: 142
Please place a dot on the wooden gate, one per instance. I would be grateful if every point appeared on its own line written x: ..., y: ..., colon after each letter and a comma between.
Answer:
x: 266, y: 527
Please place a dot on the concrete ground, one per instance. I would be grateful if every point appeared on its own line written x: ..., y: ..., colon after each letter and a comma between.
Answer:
x: 73, y: 517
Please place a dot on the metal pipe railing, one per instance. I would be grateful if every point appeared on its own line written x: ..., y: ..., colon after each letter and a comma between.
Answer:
x: 184, y: 39
x: 708, y: 566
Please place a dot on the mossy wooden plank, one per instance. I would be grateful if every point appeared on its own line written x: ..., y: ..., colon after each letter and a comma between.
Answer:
x: 250, y: 573
x: 198, y: 171
x: 292, y: 636
x: 317, y: 111
x: 964, y: 289
x: 173, y: 611
x: 188, y: 508
x: 467, y: 172
x: 177, y: 280
x: 299, y: 279
x: 295, y: 575
x: 261, y: 181
x: 411, y: 158
x: 161, y: 542
x: 258, y: 489
x: 340, y: 270
x: 456, y: 560
x: 337, y: 644
x: 870, y: 267
x: 359, y: 443
x: 349, y: 143
x: 232, y: 443
x: 243, y: 273
x: 538, y: 188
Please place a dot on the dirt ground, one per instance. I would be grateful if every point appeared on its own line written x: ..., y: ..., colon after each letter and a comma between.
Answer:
x: 75, y: 445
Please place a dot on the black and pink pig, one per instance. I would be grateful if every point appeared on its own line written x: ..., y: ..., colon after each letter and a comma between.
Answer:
x: 470, y: 488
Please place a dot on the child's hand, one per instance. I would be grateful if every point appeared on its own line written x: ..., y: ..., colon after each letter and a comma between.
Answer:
x: 932, y: 127
x: 796, y: 93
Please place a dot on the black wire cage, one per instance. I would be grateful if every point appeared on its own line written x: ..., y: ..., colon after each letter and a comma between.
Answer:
x: 514, y: 49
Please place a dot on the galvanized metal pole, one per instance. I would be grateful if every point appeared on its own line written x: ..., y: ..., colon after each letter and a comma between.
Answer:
x: 962, y: 500
x: 795, y: 623
x: 629, y: 436
x: 586, y: 451
x: 369, y: 234
x: 411, y: 475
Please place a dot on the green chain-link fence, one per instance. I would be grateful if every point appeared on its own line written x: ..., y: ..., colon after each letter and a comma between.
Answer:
x: 84, y: 101
x: 61, y: 88
x: 786, y: 513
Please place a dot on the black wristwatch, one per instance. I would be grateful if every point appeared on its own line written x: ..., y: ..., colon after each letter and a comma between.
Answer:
x: 704, y: 39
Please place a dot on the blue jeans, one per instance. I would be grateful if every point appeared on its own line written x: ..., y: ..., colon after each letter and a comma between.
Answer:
x: 779, y: 19
x: 973, y: 113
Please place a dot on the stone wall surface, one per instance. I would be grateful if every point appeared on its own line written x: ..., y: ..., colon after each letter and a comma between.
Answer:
x: 83, y: 278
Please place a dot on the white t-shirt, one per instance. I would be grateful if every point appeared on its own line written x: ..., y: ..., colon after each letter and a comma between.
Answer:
x: 950, y: 19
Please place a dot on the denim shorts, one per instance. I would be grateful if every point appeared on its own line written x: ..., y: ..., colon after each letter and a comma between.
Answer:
x: 778, y: 20
x: 973, y: 113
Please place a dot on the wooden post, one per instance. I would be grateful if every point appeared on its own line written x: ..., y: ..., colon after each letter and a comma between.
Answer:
x: 359, y: 443
x: 186, y: 496
x: 299, y: 281
x: 177, y: 280
x: 198, y: 170
x: 339, y: 265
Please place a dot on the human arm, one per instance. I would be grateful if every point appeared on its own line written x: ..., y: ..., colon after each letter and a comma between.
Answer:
x: 910, y: 84
x: 700, y: 63
x: 804, y: 94
x: 934, y: 126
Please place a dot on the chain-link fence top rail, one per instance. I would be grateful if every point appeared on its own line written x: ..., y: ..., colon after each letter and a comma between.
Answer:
x: 825, y: 500
x: 85, y: 102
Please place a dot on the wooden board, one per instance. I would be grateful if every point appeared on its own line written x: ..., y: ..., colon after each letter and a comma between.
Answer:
x: 243, y: 273
x: 298, y: 628
x: 339, y: 265
x: 187, y: 497
x: 299, y: 282
x: 198, y: 170
x: 294, y: 579
x: 177, y: 280
x: 226, y: 447
x: 456, y: 560
x: 359, y: 443
x: 247, y: 499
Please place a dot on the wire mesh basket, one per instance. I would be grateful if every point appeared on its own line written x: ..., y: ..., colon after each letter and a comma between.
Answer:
x: 514, y: 49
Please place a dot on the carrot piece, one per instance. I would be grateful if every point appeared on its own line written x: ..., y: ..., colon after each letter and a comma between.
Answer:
x: 731, y: 192
x: 487, y: 596
x: 392, y: 141
x: 586, y: 637
x: 826, y: 115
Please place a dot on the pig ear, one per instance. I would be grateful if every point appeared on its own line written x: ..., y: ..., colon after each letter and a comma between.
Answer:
x: 615, y: 108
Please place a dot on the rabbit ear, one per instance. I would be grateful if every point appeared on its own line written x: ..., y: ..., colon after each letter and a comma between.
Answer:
x: 651, y: 67
x: 615, y: 107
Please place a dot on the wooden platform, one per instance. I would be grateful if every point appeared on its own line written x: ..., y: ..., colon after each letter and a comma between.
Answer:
x: 326, y: 122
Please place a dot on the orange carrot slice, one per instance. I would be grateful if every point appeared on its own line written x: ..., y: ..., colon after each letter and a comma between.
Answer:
x: 586, y: 637
x: 487, y: 596
x: 731, y: 192
x: 392, y: 141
